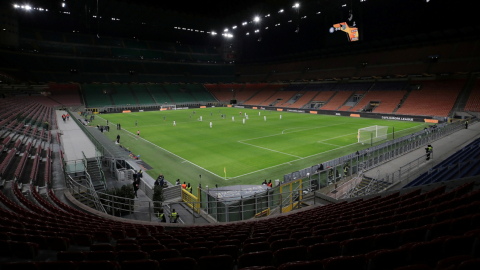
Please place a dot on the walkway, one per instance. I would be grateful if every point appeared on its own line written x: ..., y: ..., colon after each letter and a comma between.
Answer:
x: 442, y: 149
x: 74, y: 141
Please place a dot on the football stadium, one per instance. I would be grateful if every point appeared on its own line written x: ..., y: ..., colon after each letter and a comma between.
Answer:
x: 229, y: 135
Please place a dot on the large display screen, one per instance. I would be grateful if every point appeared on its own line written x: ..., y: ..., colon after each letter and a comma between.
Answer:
x: 351, y: 31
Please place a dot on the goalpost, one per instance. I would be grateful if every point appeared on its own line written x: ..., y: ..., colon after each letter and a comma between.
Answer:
x: 372, y: 134
x: 168, y: 107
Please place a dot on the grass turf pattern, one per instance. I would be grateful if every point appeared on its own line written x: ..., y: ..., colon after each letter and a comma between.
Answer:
x: 249, y: 152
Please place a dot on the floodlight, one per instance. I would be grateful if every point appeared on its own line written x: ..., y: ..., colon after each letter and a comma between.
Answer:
x: 234, y: 27
x: 257, y: 19
x: 63, y: 4
x: 225, y: 30
x: 16, y: 6
x: 297, y: 5
x: 319, y: 12
x: 256, y: 31
x: 244, y: 23
x: 280, y: 11
x: 248, y: 33
x: 28, y: 7
x: 266, y: 27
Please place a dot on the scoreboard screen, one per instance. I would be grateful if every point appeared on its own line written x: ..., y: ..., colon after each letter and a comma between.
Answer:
x: 350, y: 31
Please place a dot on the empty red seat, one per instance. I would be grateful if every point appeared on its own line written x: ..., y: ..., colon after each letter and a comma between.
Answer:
x: 323, y: 250
x: 283, y: 243
x: 460, y: 245
x: 59, y: 265
x: 102, y: 247
x: 357, y: 246
x: 426, y: 253
x: 261, y: 258
x: 310, y: 240
x: 58, y: 243
x: 470, y: 265
x: 84, y: 240
x: 20, y: 265
x: 151, y: 247
x: 255, y: 247
x: 71, y: 256
x: 207, y: 244
x: 178, y: 263
x: 255, y: 240
x: 195, y: 252
x: 226, y: 250
x: 387, y: 240
x: 289, y: 254
x: 344, y: 262
x: 118, y: 234
x: 25, y: 250
x: 389, y: 259
x: 452, y: 262
x: 140, y: 264
x: 102, y: 256
x: 129, y: 255
x: 278, y: 237
x: 179, y: 246
x: 159, y: 255
x: 313, y: 265
x: 102, y: 237
x: 216, y: 262
x: 121, y: 247
x: 103, y: 265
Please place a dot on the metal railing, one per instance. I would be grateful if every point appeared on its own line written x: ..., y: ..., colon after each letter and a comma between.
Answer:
x: 216, y: 210
x: 407, y: 171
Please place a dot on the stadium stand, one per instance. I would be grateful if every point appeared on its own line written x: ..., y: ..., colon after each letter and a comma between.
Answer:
x: 265, y: 94
x: 159, y: 94
x: 200, y: 93
x: 142, y: 94
x: 473, y: 103
x: 178, y: 93
x: 399, y: 229
x: 65, y: 94
x: 224, y: 92
x: 338, y: 100
x: 304, y: 99
x: 279, y: 99
x: 386, y: 93
x: 464, y: 163
x: 122, y: 95
x: 436, y: 98
x: 248, y: 91
x: 95, y: 95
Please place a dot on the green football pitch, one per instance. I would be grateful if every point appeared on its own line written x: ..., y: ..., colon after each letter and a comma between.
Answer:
x: 233, y: 153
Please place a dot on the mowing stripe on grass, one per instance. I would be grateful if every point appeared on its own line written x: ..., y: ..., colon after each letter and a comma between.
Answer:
x: 173, y: 154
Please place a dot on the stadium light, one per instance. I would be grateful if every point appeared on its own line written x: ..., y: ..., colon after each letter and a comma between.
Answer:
x: 280, y: 11
x: 268, y: 15
x: 248, y: 33
x: 256, y: 19
x: 225, y: 30
x: 266, y: 27
x: 319, y: 12
x: 27, y: 7
x: 234, y: 27
x: 16, y: 6
x: 244, y: 23
x: 256, y: 31
x: 297, y: 5
x: 63, y: 5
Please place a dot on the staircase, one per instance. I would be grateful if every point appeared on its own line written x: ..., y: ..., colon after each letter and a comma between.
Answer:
x: 462, y: 98
x: 149, y: 93
x: 134, y: 95
x: 82, y: 195
x: 402, y: 101
x: 111, y: 99
x: 326, y: 102
x: 369, y: 186
x: 95, y: 174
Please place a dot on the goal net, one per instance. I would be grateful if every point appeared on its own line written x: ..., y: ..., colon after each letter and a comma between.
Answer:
x: 168, y: 107
x: 372, y: 134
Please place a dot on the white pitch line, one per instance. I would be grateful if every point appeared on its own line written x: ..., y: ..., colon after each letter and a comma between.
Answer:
x: 288, y: 133
x: 174, y: 154
x: 309, y: 156
x: 336, y: 137
x: 268, y: 149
